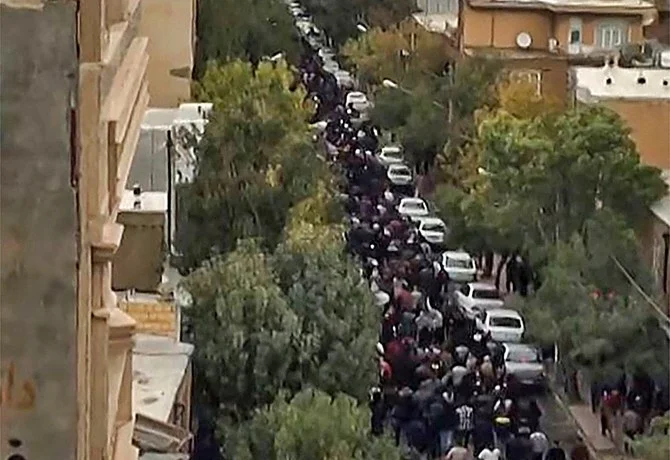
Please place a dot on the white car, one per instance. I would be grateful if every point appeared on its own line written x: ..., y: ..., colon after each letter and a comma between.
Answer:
x: 477, y: 297
x: 331, y: 66
x: 390, y: 155
x: 399, y: 174
x: 359, y: 101
x: 344, y: 79
x: 525, y: 363
x: 413, y: 207
x: 460, y: 266
x: 504, y: 325
x: 432, y: 229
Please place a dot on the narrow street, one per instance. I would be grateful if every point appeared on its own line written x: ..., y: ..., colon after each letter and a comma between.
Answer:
x: 556, y: 423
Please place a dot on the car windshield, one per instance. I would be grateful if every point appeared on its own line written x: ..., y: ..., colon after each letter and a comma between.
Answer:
x: 413, y: 205
x: 401, y: 171
x: 505, y: 321
x: 459, y: 263
x: 433, y: 228
x: 392, y: 153
x: 523, y: 355
x: 486, y: 294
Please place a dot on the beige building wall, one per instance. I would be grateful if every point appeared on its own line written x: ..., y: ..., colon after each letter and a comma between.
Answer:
x: 74, y: 93
x: 498, y: 28
x: 649, y: 121
x: 170, y: 26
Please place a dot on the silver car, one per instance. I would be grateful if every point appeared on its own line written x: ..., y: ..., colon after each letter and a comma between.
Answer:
x: 525, y: 363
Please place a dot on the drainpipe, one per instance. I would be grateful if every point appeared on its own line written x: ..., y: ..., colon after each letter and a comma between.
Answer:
x: 666, y: 253
x: 169, y: 146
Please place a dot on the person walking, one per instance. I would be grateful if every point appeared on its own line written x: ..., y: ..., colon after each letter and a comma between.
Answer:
x: 465, y: 414
x: 556, y: 452
x: 540, y: 444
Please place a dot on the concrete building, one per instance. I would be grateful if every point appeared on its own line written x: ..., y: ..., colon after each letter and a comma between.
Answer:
x: 539, y: 39
x: 74, y: 92
x: 641, y: 96
x: 170, y: 27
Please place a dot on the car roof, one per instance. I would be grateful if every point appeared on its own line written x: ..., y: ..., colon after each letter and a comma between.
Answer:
x: 412, y: 199
x: 391, y: 148
x: 399, y: 166
x: 483, y: 286
x: 357, y: 94
x: 459, y: 255
x: 519, y: 346
x: 498, y: 312
x: 430, y: 220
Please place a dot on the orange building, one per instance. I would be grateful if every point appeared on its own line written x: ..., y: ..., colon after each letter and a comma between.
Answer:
x: 539, y: 39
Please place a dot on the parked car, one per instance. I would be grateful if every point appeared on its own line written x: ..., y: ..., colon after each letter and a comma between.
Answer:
x: 525, y: 363
x: 477, y: 297
x: 344, y: 79
x: 505, y: 325
x: 399, y: 174
x: 358, y: 100
x: 390, y: 155
x: 460, y: 266
x: 413, y: 207
x: 432, y: 229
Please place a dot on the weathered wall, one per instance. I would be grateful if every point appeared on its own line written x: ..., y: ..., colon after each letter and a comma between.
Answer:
x: 648, y: 121
x: 38, y: 248
x: 169, y: 24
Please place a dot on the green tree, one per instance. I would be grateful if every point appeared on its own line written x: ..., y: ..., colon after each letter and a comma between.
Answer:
x: 229, y: 30
x: 339, y: 319
x: 552, y: 174
x: 339, y: 18
x: 243, y: 331
x: 255, y: 161
x: 312, y: 426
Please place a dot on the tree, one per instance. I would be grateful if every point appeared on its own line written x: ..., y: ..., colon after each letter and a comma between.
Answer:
x: 229, y: 30
x: 339, y: 319
x: 401, y: 53
x: 255, y: 161
x: 339, y: 18
x: 550, y: 175
x: 312, y: 426
x: 243, y: 331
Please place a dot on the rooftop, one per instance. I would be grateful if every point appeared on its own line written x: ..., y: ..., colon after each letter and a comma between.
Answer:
x: 159, y: 365
x: 502, y: 312
x: 632, y: 6
x: 441, y: 23
x: 160, y: 119
x: 613, y: 82
x: 662, y: 207
x: 149, y: 202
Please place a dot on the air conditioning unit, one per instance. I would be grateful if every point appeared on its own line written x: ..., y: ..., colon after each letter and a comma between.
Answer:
x: 665, y: 59
x: 553, y: 45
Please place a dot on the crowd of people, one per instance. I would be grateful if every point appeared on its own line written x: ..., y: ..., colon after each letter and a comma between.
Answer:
x: 443, y: 391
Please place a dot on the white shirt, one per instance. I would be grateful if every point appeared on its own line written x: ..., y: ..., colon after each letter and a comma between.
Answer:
x: 540, y: 442
x: 487, y: 454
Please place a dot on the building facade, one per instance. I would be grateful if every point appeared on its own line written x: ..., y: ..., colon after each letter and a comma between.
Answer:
x: 539, y: 40
x: 74, y: 91
x: 170, y: 27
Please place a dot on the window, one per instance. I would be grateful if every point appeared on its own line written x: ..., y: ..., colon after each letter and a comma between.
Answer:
x: 486, y: 294
x: 523, y: 355
x: 534, y: 77
x: 505, y: 321
x: 459, y: 263
x: 611, y: 34
x: 575, y: 36
x: 433, y: 228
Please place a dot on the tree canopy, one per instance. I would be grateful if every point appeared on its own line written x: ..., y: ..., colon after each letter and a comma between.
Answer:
x: 339, y: 18
x: 312, y: 425
x: 229, y: 30
x: 255, y: 161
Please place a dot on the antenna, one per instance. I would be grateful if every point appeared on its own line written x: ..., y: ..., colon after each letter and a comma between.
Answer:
x: 524, y: 40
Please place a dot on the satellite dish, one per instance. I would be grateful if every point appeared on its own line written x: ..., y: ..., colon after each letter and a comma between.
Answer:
x: 523, y: 40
